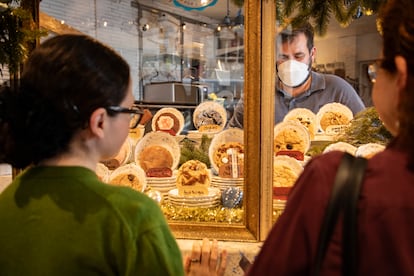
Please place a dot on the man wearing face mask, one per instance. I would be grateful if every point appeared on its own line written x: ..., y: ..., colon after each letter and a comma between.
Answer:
x: 299, y: 86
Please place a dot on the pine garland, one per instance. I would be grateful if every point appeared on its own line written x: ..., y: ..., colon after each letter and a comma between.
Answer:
x: 319, y: 12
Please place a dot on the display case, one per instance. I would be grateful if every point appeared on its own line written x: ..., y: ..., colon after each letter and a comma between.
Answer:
x: 168, y: 54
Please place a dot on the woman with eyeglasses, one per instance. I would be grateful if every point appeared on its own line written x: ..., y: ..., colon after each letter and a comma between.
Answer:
x: 385, y: 209
x: 74, y: 107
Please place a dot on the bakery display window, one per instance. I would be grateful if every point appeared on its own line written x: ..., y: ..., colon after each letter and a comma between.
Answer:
x: 207, y: 178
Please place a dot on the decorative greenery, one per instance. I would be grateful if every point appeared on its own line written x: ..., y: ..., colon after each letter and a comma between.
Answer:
x: 366, y: 127
x: 190, y: 151
x: 319, y: 12
x: 17, y: 28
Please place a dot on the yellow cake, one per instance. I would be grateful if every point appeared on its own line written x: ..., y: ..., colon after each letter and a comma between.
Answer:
x: 193, y: 179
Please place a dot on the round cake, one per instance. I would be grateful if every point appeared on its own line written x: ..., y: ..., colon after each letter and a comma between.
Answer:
x: 222, y: 155
x: 332, y: 118
x: 155, y: 156
x: 304, y: 116
x: 286, y: 170
x: 129, y: 176
x: 193, y: 179
x: 291, y: 136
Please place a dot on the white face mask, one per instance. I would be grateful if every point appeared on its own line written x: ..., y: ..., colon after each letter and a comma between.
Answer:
x: 293, y: 73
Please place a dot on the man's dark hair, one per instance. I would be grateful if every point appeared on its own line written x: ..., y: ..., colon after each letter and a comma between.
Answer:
x: 288, y: 34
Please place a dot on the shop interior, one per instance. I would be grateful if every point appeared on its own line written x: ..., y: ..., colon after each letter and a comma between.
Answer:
x: 182, y: 58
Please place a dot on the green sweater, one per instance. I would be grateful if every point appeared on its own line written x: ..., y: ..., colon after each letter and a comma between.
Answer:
x: 64, y: 221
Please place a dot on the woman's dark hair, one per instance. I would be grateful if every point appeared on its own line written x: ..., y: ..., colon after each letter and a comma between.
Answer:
x: 64, y: 80
x: 397, y: 28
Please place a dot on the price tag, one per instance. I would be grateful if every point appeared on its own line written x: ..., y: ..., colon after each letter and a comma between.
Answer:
x: 335, y: 129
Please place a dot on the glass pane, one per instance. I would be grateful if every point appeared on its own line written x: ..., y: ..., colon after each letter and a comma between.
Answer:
x: 321, y: 87
x: 179, y: 61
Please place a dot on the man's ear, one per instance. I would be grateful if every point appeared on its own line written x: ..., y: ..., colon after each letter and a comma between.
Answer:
x: 401, y: 65
x: 97, y: 122
x: 313, y: 54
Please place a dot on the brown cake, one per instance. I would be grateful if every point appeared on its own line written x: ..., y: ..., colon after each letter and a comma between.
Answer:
x: 167, y: 122
x: 332, y: 118
x: 129, y: 176
x: 193, y: 179
x: 155, y: 156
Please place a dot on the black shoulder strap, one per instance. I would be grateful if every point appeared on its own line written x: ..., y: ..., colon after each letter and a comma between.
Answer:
x: 345, y: 193
x: 350, y: 229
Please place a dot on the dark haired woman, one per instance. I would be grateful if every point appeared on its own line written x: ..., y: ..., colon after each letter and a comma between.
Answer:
x: 74, y: 107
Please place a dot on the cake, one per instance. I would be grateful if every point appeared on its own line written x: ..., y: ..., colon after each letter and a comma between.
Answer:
x: 304, y: 116
x: 225, y: 153
x: 333, y: 118
x: 290, y: 139
x: 193, y: 179
x: 341, y: 146
x: 129, y: 176
x: 333, y: 114
x: 167, y: 122
x: 286, y: 170
x: 208, y: 120
x: 155, y: 157
x: 369, y: 150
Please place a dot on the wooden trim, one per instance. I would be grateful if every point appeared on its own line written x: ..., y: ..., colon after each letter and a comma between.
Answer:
x: 53, y: 25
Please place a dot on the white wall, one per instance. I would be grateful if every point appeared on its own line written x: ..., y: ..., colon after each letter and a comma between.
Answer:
x: 358, y: 42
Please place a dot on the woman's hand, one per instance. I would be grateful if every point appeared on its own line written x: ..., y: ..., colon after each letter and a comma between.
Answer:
x: 205, y: 260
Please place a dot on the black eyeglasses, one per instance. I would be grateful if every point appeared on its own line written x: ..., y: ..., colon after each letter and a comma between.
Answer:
x: 134, y: 112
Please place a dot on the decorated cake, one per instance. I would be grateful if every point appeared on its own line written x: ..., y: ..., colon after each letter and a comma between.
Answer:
x: 291, y: 137
x: 227, y: 156
x: 193, y: 179
x: 209, y: 117
x: 333, y: 114
x: 169, y: 120
x: 304, y: 116
x: 156, y: 160
x: 286, y: 171
x: 129, y: 175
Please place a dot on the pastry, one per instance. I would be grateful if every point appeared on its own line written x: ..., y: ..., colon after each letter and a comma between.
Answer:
x: 332, y: 118
x: 291, y: 136
x: 129, y: 176
x: 286, y: 170
x: 193, y: 179
x: 155, y: 156
x: 333, y: 114
x: 341, y: 146
x: 369, y: 150
x: 304, y: 116
x: 169, y: 120
x: 222, y: 154
x: 102, y: 172
x: 209, y: 117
